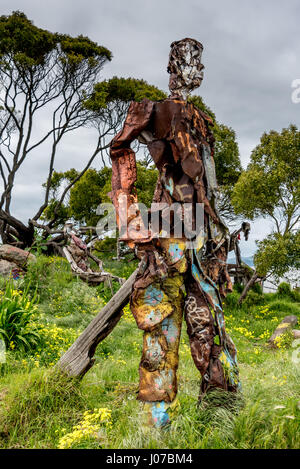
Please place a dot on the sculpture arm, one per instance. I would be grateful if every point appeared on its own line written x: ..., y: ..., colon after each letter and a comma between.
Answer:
x: 123, y: 194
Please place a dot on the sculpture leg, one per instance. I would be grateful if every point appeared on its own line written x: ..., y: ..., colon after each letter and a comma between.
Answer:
x: 159, y: 362
x: 213, y: 356
x: 159, y: 414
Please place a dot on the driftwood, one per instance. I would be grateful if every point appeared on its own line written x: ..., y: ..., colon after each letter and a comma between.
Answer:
x: 79, y: 358
x: 93, y: 278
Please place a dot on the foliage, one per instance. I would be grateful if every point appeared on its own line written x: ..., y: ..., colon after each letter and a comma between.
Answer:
x: 231, y: 300
x: 238, y: 287
x: 92, y: 189
x: 18, y: 327
x: 55, y: 341
x: 64, y: 299
x: 89, y: 428
x: 48, y: 276
x: 284, y: 289
x: 120, y: 268
x: 41, y: 71
x: 270, y: 187
x: 87, y: 194
x: 257, y: 288
x: 30, y: 45
x: 227, y: 159
x: 277, y: 253
x: 122, y: 89
x: 253, y: 298
x: 39, y: 243
x: 285, y: 340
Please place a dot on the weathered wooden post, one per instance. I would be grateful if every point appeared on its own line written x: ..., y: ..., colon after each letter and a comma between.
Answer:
x: 79, y: 358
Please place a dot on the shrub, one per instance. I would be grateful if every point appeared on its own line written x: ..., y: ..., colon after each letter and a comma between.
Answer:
x: 253, y: 298
x: 87, y: 429
x: 18, y: 328
x: 284, y: 289
x: 55, y: 341
x: 257, y: 288
x: 238, y: 287
x: 231, y: 300
x: 296, y: 295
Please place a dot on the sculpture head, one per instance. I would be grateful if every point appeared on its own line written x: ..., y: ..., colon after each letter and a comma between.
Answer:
x: 185, y: 67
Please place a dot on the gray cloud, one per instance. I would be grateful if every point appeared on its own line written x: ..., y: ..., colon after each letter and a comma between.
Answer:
x: 251, y: 55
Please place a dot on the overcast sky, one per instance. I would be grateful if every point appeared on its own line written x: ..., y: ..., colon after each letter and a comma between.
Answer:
x: 251, y: 56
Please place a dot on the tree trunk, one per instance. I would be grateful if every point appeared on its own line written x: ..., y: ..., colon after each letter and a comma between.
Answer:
x: 247, y: 287
x: 79, y: 358
x: 12, y: 226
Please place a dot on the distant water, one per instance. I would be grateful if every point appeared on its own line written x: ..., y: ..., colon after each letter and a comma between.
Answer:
x: 247, y: 260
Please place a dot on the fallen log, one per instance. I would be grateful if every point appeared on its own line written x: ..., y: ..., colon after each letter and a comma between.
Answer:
x: 79, y: 357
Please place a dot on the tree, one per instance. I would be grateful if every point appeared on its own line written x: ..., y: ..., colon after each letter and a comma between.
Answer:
x: 84, y: 196
x: 228, y: 168
x: 270, y: 188
x: 41, y: 72
x: 277, y: 254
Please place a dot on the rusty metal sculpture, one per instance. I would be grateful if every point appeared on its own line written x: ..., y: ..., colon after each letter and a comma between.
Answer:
x: 177, y: 275
x: 181, y: 143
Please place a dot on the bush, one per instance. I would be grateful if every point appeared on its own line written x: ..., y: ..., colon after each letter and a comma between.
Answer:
x: 257, y: 288
x: 284, y: 289
x: 106, y: 246
x: 296, y: 295
x: 253, y: 298
x: 285, y: 340
x: 238, y: 287
x: 18, y: 328
x: 231, y: 300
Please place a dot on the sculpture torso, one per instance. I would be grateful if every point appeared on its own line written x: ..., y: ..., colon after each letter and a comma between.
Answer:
x: 180, y: 142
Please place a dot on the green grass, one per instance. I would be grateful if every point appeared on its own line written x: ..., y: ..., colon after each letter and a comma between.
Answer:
x: 38, y: 407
